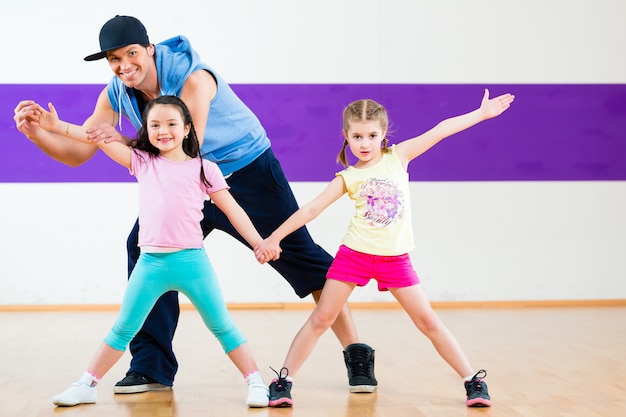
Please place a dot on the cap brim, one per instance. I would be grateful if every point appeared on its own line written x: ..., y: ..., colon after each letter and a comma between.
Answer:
x: 95, y: 57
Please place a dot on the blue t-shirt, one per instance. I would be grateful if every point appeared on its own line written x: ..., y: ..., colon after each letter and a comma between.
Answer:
x: 233, y: 137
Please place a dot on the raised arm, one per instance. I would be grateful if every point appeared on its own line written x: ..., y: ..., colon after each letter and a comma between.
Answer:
x: 62, y: 141
x: 489, y: 108
x: 334, y: 190
x: 55, y: 145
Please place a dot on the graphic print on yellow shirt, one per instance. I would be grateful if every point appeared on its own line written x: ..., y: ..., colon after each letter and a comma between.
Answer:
x: 384, y: 202
x: 381, y: 224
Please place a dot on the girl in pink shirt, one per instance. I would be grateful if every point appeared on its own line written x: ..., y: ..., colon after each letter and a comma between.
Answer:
x: 173, y: 184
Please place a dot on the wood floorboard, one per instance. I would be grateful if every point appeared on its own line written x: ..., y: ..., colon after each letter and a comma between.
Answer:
x: 556, y: 362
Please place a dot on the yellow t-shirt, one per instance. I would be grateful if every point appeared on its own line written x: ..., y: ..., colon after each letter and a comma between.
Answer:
x: 381, y: 224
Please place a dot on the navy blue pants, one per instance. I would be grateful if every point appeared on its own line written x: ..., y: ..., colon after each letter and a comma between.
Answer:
x: 264, y: 193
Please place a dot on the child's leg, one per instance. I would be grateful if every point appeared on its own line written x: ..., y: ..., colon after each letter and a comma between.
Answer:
x: 331, y: 301
x: 334, y: 295
x: 243, y: 359
x: 414, y: 301
x: 197, y: 280
x: 199, y: 283
x: 138, y: 300
x: 343, y: 327
x: 146, y: 284
x: 104, y: 359
x: 258, y: 393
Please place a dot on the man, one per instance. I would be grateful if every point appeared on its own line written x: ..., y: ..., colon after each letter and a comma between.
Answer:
x: 232, y: 137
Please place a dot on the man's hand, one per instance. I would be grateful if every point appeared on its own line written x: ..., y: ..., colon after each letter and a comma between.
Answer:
x: 105, y: 133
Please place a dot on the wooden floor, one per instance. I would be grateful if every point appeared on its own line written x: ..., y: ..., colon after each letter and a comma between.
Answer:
x: 556, y: 362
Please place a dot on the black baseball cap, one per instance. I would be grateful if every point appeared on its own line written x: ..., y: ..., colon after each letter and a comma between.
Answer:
x: 119, y: 32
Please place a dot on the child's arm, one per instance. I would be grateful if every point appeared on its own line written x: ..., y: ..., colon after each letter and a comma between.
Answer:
x: 101, y: 124
x: 489, y: 108
x: 305, y: 214
x: 118, y: 152
x: 224, y: 200
x: 115, y: 146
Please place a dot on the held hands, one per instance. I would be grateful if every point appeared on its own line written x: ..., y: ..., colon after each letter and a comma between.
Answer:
x: 496, y: 106
x: 267, y: 250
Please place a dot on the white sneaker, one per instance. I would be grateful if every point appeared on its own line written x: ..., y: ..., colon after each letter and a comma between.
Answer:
x: 258, y: 395
x: 77, y: 393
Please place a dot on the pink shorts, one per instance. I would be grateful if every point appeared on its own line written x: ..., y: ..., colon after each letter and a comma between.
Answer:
x: 358, y: 267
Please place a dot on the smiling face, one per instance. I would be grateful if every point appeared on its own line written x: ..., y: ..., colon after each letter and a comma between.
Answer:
x: 365, y: 139
x: 134, y: 66
x: 167, y: 130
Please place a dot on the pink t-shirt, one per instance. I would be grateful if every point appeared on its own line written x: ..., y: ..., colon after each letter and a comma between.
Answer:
x: 171, y: 198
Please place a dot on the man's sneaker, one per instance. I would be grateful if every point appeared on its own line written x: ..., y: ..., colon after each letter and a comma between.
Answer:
x: 359, y: 359
x: 476, y: 390
x: 280, y: 390
x: 76, y: 394
x: 135, y: 382
x: 258, y: 395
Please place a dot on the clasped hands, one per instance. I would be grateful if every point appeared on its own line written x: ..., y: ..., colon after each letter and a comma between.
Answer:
x: 267, y: 250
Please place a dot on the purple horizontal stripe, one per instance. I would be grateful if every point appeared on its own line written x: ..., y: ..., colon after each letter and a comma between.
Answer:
x: 552, y: 132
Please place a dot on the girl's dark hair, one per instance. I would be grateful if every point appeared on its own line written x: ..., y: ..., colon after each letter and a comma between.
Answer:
x: 191, y: 145
x: 363, y: 111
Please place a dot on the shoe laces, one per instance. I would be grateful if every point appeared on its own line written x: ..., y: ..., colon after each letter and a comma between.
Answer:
x: 359, y: 359
x: 281, y: 380
x: 476, y: 383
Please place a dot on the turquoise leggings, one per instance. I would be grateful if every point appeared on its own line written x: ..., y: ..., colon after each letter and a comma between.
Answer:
x: 188, y: 271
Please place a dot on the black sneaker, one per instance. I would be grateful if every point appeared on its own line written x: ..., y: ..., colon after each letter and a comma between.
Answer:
x: 135, y: 382
x: 476, y: 390
x: 359, y: 359
x: 280, y: 390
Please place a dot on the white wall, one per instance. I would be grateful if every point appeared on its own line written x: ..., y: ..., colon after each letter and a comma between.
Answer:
x: 475, y: 241
x: 65, y: 243
x: 335, y: 41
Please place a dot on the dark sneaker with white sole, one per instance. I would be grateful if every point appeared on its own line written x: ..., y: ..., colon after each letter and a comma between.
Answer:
x: 359, y: 359
x: 134, y: 383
